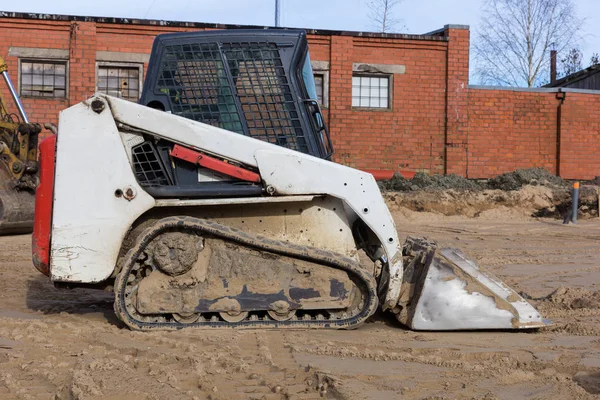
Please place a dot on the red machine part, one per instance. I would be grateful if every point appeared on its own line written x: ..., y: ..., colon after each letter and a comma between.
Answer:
x: 195, y: 157
x: 42, y: 223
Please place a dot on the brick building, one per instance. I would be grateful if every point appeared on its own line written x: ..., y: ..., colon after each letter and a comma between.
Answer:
x: 393, y: 102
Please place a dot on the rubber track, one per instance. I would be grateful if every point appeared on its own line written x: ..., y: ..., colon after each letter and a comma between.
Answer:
x: 311, y: 254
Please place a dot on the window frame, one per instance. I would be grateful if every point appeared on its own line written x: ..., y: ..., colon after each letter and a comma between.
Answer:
x: 390, y: 78
x: 47, y: 60
x: 113, y: 64
x: 325, y: 74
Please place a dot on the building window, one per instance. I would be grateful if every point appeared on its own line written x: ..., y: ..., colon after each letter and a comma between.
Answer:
x: 322, y: 87
x: 319, y: 82
x: 119, y: 80
x: 370, y: 91
x: 41, y: 78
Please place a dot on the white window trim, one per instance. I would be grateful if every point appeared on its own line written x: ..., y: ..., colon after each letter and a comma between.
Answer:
x: 48, y: 60
x: 121, y: 65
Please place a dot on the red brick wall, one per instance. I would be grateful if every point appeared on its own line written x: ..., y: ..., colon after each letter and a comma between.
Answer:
x: 39, y: 34
x: 580, y: 136
x: 508, y: 130
x: 82, y: 61
x: 456, y: 100
x: 436, y: 123
x: 410, y: 135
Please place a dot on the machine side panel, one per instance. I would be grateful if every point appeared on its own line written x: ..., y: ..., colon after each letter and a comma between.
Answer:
x: 90, y: 219
x: 295, y: 174
x: 290, y: 172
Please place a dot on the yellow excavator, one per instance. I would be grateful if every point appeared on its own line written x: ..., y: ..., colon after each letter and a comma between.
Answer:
x: 18, y: 164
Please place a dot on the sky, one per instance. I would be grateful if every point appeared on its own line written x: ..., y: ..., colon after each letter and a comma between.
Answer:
x: 418, y: 16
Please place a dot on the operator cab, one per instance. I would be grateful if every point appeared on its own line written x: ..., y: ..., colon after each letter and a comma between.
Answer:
x: 258, y: 83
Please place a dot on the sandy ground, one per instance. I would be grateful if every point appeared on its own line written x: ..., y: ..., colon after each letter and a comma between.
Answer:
x: 68, y: 344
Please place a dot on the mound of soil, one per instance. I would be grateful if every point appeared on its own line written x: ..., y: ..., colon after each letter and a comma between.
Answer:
x: 568, y: 298
x: 483, y: 204
x: 528, y: 192
x: 431, y: 182
x: 562, y: 204
x: 507, y: 182
x: 522, y: 177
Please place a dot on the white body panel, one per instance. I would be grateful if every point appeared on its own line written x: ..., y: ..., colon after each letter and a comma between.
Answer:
x: 295, y: 174
x: 90, y: 222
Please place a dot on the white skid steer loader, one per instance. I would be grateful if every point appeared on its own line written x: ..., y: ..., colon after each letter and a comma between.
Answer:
x: 212, y: 214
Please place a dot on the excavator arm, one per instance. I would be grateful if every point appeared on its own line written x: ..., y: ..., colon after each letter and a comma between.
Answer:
x: 18, y: 164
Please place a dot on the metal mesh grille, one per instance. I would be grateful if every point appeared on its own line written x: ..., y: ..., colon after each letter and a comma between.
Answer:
x: 194, y: 77
x: 147, y: 165
x: 265, y: 94
x: 201, y: 86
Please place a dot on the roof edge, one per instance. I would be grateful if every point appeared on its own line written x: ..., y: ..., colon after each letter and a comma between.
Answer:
x: 447, y: 27
x: 576, y: 76
x: 186, y: 24
x: 542, y: 89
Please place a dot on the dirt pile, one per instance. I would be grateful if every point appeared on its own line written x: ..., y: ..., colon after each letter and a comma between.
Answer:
x: 523, y: 177
x: 569, y: 298
x: 431, y: 182
x: 562, y: 203
x: 527, y: 193
x: 475, y: 204
x: 507, y: 182
x: 575, y: 311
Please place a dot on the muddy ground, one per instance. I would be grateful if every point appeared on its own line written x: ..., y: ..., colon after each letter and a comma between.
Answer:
x: 68, y: 344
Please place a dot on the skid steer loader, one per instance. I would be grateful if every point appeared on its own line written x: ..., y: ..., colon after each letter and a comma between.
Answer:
x: 239, y: 220
x: 18, y: 165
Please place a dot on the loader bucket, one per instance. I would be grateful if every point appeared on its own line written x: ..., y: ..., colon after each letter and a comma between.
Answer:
x: 16, y: 206
x: 444, y: 290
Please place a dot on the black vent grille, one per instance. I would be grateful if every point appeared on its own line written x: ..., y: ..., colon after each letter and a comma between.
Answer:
x: 148, y: 167
x: 218, y: 85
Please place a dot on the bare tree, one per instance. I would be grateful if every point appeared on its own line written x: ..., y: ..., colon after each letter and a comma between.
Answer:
x: 515, y: 38
x: 595, y: 59
x: 572, y: 62
x: 382, y: 14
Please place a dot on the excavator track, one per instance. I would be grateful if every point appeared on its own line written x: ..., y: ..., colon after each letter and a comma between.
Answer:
x: 128, y: 280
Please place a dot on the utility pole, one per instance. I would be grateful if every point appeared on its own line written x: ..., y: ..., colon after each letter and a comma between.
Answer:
x: 277, y: 12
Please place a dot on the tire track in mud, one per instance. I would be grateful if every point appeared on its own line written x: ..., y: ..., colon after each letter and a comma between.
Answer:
x: 110, y: 361
x: 73, y: 346
x: 269, y: 372
x: 459, y: 367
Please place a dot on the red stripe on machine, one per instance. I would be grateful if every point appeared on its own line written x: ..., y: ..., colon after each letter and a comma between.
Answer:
x: 189, y: 155
x: 42, y: 222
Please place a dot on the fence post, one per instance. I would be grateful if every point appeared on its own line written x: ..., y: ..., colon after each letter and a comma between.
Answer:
x: 598, y: 190
x: 575, y: 202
